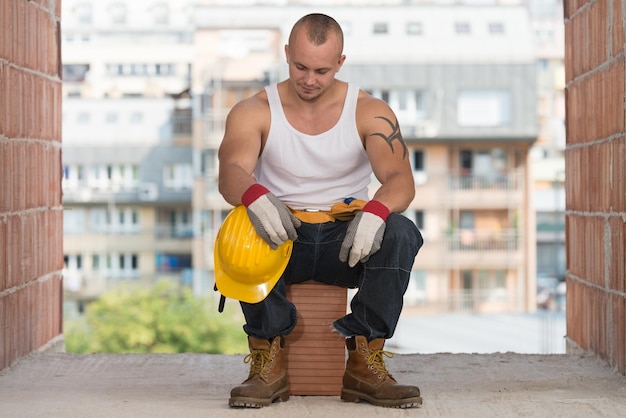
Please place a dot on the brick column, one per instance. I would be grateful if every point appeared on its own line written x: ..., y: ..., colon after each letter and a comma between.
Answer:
x: 31, y: 213
x: 595, y: 161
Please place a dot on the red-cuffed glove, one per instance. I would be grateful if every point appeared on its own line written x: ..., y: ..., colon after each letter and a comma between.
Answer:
x: 364, y: 234
x: 272, y: 220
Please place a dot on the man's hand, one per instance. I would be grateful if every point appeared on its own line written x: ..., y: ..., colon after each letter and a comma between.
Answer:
x: 272, y: 220
x: 365, y: 233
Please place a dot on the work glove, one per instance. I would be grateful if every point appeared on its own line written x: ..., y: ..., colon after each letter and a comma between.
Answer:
x: 365, y: 233
x: 272, y: 220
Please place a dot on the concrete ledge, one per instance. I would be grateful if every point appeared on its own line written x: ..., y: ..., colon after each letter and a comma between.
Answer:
x: 198, y: 385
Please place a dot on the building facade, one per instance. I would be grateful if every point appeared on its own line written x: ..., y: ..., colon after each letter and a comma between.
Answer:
x: 127, y: 156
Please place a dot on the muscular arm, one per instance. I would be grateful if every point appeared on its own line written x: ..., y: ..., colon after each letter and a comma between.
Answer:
x: 388, y: 153
x: 238, y: 153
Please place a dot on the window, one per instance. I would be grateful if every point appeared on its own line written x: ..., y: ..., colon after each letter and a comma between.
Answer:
x: 118, y: 13
x: 385, y: 96
x: 380, y: 28
x: 414, y: 28
x: 160, y: 14
x: 462, y: 28
x: 467, y: 219
x: 111, y: 117
x: 83, y: 118
x: 178, y: 176
x: 419, y: 219
x: 136, y: 118
x: 74, y: 221
x: 496, y: 28
x: 418, y: 160
x: 402, y: 100
x: 82, y: 12
x: 127, y: 266
x: 484, y: 108
x: 416, y: 291
x: 75, y: 72
x: 72, y: 176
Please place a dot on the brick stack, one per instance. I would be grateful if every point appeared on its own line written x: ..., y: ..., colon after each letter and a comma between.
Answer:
x: 316, y: 355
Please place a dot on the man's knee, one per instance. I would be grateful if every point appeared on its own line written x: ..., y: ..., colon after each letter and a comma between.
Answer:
x: 401, y: 229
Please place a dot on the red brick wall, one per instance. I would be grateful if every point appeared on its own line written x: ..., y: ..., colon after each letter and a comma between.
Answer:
x: 31, y: 214
x: 595, y: 161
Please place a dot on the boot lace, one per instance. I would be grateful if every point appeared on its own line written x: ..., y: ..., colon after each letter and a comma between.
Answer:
x: 258, y: 359
x: 376, y: 362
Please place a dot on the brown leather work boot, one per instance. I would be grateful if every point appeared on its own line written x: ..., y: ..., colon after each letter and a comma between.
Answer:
x: 366, y: 377
x: 267, y: 380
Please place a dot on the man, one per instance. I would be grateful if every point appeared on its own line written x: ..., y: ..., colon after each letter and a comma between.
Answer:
x: 299, y: 156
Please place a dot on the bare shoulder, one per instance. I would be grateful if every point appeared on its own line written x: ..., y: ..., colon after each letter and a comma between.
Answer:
x: 372, y: 113
x: 249, y: 118
x: 251, y: 105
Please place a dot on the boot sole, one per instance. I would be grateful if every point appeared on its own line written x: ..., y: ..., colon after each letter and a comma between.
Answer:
x: 246, y: 402
x: 349, y: 395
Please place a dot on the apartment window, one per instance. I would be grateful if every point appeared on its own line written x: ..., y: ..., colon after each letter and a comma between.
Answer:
x: 74, y: 221
x: 416, y: 291
x: 75, y: 72
x: 73, y: 261
x: 82, y: 11
x: 419, y: 219
x: 418, y: 160
x: 172, y: 262
x: 72, y: 175
x: 178, y: 176
x: 414, y: 28
x: 83, y: 118
x: 347, y: 28
x: 462, y: 28
x: 160, y: 14
x: 118, y: 13
x: 484, y: 108
x: 466, y: 219
x: 403, y: 100
x: 111, y: 117
x: 380, y: 28
x: 127, y: 265
x: 136, y: 118
x: 126, y: 220
x: 496, y: 28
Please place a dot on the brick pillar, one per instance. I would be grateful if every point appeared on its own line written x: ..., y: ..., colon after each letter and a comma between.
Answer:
x: 31, y: 213
x: 595, y: 161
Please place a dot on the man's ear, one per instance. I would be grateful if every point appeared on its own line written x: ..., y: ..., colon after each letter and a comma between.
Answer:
x: 287, y: 53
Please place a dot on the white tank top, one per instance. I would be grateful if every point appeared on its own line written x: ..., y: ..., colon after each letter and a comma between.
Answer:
x: 314, y: 171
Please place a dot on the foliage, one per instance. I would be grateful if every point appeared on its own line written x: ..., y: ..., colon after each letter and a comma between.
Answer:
x: 165, y: 318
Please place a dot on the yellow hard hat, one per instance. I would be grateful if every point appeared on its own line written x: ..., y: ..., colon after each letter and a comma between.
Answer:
x: 246, y: 267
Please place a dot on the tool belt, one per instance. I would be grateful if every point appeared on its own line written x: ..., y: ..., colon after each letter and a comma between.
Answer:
x: 343, y: 211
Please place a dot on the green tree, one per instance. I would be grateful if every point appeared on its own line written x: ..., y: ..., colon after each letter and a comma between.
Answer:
x: 165, y: 318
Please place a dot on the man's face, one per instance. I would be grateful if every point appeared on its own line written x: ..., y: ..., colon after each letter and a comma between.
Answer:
x: 312, y: 68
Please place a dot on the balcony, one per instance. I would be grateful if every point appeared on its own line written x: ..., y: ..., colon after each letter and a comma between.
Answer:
x: 484, y: 192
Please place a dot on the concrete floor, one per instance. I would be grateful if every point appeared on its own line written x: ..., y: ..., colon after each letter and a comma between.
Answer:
x: 197, y: 385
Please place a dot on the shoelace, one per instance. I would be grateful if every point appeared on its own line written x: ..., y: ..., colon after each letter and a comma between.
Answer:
x: 257, y: 360
x: 376, y: 359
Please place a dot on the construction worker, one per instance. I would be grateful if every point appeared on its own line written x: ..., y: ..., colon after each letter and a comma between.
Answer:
x: 299, y: 156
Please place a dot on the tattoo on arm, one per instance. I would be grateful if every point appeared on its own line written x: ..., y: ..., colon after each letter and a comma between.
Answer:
x: 395, y: 135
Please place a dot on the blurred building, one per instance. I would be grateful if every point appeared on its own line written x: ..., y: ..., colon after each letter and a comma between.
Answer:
x: 127, y: 156
x: 548, y: 161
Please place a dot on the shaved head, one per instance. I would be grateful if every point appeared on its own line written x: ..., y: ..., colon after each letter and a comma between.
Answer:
x: 317, y: 28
